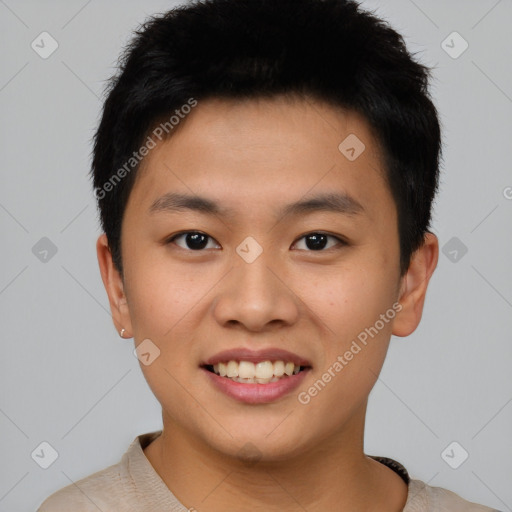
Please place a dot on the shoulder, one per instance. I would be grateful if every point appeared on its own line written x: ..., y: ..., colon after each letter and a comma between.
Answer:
x: 111, y: 489
x: 423, y: 497
x: 90, y: 494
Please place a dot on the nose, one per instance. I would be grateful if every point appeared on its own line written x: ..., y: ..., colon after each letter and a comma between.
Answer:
x: 256, y: 296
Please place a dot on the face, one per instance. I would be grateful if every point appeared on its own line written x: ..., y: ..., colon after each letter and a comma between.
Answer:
x: 252, y: 230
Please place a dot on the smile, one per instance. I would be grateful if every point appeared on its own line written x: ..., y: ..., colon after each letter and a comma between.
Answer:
x: 247, y: 372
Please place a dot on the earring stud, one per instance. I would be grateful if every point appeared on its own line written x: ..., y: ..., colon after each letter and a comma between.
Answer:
x: 122, y: 332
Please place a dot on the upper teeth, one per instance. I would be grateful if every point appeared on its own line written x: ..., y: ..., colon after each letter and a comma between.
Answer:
x: 250, y: 370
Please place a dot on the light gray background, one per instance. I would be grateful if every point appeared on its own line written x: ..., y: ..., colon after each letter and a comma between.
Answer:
x: 66, y: 376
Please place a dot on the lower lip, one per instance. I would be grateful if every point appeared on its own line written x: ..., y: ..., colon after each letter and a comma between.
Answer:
x: 256, y: 393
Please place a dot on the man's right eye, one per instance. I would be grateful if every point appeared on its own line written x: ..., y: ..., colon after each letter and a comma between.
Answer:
x: 193, y: 240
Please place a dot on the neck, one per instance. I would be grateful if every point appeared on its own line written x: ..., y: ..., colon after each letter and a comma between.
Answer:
x: 334, y: 474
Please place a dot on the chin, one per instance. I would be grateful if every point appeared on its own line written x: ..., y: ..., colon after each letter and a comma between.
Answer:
x: 257, y: 445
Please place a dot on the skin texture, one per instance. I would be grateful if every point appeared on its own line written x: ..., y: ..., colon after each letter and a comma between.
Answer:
x: 254, y: 157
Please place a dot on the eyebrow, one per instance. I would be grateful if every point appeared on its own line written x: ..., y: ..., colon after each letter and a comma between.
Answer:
x: 327, y: 202
x: 173, y: 202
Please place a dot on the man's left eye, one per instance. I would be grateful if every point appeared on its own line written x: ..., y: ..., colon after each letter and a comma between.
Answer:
x: 318, y: 241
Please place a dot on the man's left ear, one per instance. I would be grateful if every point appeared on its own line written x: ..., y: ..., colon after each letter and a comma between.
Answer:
x: 414, y: 286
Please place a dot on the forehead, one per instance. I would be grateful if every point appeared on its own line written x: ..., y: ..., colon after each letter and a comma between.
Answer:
x: 266, y: 150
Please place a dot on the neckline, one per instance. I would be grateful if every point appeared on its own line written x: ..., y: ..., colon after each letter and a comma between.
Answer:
x: 398, y: 468
x: 143, y: 440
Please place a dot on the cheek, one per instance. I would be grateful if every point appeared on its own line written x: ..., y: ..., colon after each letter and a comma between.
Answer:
x: 349, y: 299
x: 362, y: 318
x: 354, y: 348
x: 351, y: 303
x: 161, y: 295
x: 163, y: 307
x: 167, y: 304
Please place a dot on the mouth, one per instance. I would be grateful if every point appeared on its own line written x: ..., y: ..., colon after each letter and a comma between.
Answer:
x: 256, y: 377
x: 248, y: 372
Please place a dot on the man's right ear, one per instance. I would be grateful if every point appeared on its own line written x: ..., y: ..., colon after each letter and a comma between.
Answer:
x: 114, y: 287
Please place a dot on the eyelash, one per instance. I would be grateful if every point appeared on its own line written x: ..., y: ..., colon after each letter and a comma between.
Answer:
x: 341, y: 241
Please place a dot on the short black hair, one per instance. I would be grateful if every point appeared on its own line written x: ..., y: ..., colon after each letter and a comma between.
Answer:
x: 330, y: 50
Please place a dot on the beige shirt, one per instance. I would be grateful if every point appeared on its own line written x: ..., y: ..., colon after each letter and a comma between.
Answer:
x: 132, y: 485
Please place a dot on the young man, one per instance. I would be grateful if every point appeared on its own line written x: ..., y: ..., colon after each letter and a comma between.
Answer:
x: 264, y: 171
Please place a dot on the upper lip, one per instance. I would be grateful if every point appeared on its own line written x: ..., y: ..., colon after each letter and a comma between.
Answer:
x: 256, y: 356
